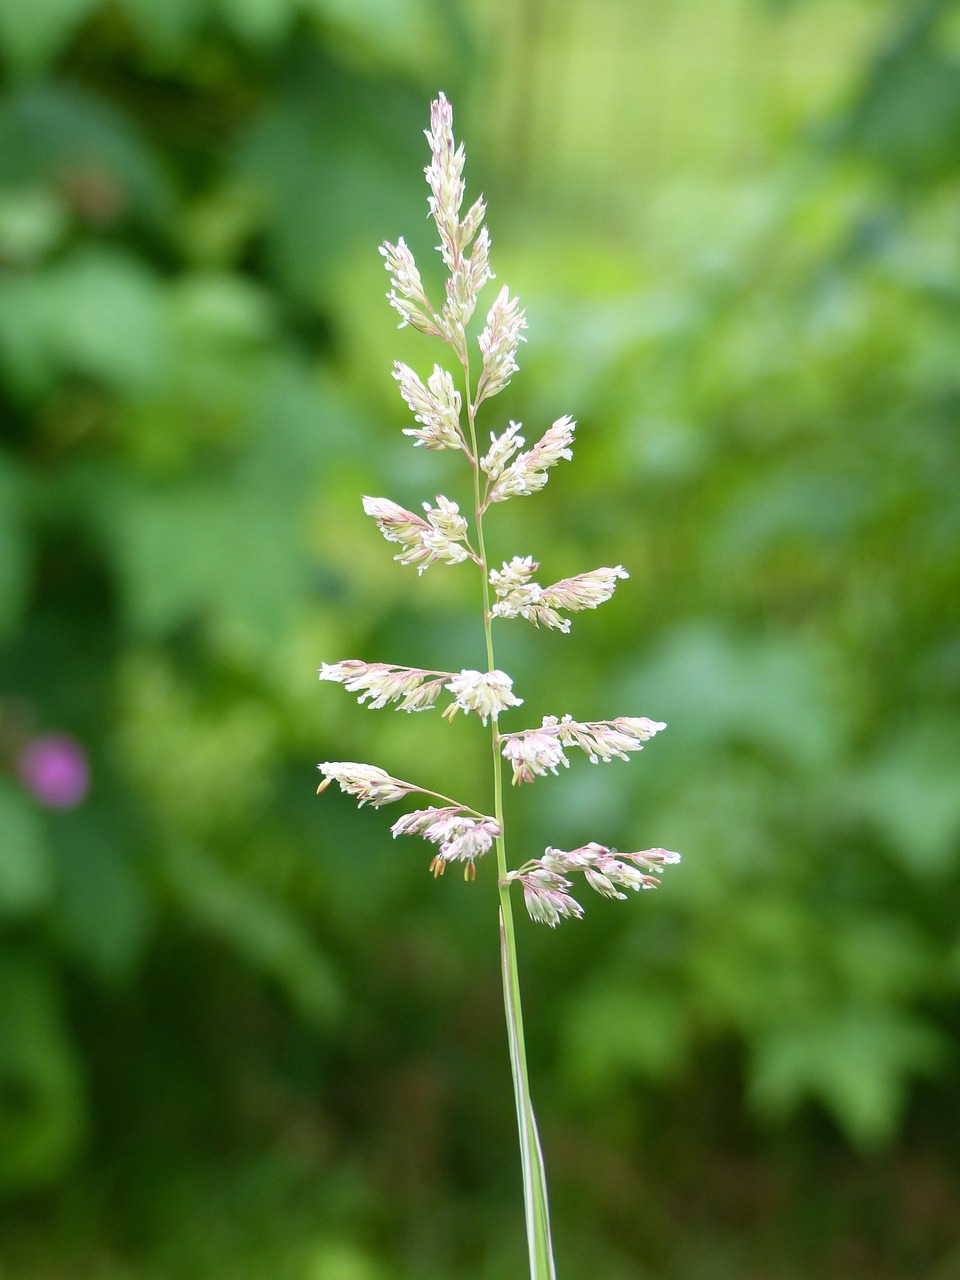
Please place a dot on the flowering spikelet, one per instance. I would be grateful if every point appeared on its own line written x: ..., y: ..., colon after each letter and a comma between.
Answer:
x: 464, y: 284
x: 467, y: 275
x: 527, y: 473
x: 518, y: 597
x: 445, y: 178
x: 418, y: 821
x: 407, y: 295
x: 438, y: 539
x: 485, y: 692
x: 545, y: 895
x: 478, y: 264
x: 502, y: 448
x: 499, y: 341
x: 368, y: 783
x: 531, y: 756
x: 514, y: 576
x: 414, y: 688
x: 436, y: 406
x: 461, y: 838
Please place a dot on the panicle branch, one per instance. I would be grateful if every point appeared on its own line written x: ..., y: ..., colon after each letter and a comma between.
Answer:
x: 535, y: 752
x: 528, y: 472
x: 440, y: 539
x: 519, y: 597
x: 486, y: 693
x: 546, y: 880
x: 406, y: 295
x: 413, y: 688
x: 435, y: 406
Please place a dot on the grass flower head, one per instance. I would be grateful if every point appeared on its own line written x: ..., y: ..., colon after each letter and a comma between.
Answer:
x: 444, y: 410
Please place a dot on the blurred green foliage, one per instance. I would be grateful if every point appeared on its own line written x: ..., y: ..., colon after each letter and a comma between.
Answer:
x: 241, y: 1033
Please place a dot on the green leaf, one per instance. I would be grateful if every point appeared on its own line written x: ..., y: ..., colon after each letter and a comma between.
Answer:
x: 104, y: 913
x: 205, y: 550
x: 167, y: 28
x: 612, y: 1031
x: 910, y: 795
x: 324, y: 145
x: 856, y: 1063
x: 31, y: 35
x: 399, y: 35
x: 42, y: 1108
x: 340, y: 1260
x: 908, y: 115
x: 259, y: 21
x: 100, y: 313
x: 25, y: 869
x: 107, y: 319
x: 14, y: 550
x: 231, y: 548
x: 33, y: 221
x: 774, y: 691
x: 270, y: 939
x: 64, y: 139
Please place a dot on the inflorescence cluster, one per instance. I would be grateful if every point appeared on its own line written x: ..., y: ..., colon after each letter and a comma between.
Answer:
x: 446, y: 419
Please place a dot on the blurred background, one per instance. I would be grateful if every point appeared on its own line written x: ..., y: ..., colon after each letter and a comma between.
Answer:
x: 243, y: 1033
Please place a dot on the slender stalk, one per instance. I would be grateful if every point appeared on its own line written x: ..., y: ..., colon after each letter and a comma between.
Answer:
x: 457, y: 804
x: 536, y: 1207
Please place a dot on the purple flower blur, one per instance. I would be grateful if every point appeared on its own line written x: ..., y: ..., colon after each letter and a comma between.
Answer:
x: 55, y: 770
